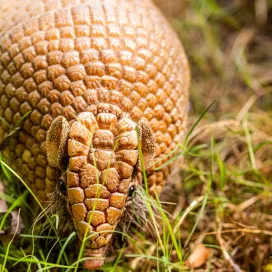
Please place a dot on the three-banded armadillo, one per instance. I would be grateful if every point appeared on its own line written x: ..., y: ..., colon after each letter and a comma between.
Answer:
x: 88, y: 82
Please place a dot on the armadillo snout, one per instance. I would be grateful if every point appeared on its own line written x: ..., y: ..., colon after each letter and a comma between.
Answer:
x: 93, y: 264
x: 99, y: 174
x: 95, y: 258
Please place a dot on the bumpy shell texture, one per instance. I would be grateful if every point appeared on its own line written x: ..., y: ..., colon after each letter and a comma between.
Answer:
x: 97, y: 70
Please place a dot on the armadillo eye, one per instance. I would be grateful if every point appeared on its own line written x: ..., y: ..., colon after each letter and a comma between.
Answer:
x: 62, y: 186
x: 131, y: 190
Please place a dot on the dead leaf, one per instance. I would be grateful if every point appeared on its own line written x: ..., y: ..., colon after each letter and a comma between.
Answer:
x: 198, y: 256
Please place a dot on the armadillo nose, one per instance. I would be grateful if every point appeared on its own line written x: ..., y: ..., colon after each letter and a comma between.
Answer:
x: 93, y: 264
x: 96, y: 258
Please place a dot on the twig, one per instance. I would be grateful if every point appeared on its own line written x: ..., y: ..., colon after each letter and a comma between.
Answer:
x: 227, y: 256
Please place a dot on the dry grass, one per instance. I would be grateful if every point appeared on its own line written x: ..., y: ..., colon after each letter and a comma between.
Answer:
x: 229, y: 47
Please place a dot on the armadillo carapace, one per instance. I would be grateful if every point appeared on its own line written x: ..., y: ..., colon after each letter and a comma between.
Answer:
x: 85, y: 83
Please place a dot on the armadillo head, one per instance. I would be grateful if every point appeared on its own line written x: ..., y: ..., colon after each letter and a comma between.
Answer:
x: 99, y: 159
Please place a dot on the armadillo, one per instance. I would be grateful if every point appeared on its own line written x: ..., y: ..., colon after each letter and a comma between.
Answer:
x: 86, y: 87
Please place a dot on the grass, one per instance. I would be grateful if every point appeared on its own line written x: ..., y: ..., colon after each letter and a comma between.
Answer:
x: 223, y: 191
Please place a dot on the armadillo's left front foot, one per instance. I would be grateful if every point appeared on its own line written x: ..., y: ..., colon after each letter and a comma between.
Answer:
x: 13, y: 223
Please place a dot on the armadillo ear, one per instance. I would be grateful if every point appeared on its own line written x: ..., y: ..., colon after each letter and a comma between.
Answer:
x: 148, y: 144
x: 57, y: 142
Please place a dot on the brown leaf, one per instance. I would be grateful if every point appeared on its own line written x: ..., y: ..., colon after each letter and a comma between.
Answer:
x: 198, y: 256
